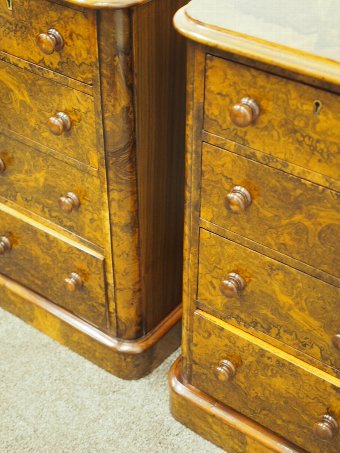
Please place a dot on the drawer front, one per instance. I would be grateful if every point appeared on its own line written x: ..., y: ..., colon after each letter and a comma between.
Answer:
x: 289, y: 125
x: 42, y: 261
x: 269, y: 298
x: 28, y: 102
x: 286, y: 213
x: 20, y: 27
x: 271, y: 387
x: 37, y: 182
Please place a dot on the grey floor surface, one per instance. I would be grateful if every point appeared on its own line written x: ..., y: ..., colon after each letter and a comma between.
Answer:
x: 54, y: 401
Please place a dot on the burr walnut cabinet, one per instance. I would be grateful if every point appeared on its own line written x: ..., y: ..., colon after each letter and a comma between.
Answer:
x: 91, y: 175
x: 260, y: 369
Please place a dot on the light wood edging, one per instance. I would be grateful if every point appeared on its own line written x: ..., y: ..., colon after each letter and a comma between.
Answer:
x: 125, y: 358
x: 260, y: 50
x: 106, y: 4
x: 217, y: 422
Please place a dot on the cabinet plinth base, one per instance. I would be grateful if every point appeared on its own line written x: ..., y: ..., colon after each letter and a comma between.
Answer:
x: 127, y: 359
x: 218, y: 423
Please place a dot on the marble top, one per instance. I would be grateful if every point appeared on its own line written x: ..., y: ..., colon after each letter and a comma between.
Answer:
x: 311, y: 26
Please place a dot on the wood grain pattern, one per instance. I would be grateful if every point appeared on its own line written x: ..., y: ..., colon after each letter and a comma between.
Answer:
x: 287, y: 127
x: 36, y: 181
x: 125, y: 141
x: 41, y: 260
x: 120, y: 154
x: 40, y: 70
x: 160, y: 99
x: 271, y: 387
x: 126, y: 359
x: 219, y: 423
x: 27, y: 101
x: 285, y: 389
x: 287, y: 214
x: 20, y: 27
x: 272, y: 161
x: 278, y: 301
x: 195, y: 98
x: 107, y: 4
x: 270, y: 253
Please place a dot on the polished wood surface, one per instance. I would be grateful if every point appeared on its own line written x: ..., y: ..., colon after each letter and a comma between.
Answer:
x: 50, y: 42
x: 287, y: 127
x: 272, y: 34
x: 92, y: 145
x: 126, y: 359
x: 273, y: 388
x: 161, y: 191
x: 260, y: 319
x: 125, y: 307
x: 24, y: 30
x: 28, y: 101
x: 276, y: 300
x: 288, y: 214
x: 276, y: 22
x: 219, y: 423
x: 272, y: 161
x: 107, y: 4
x: 41, y: 261
x: 36, y: 180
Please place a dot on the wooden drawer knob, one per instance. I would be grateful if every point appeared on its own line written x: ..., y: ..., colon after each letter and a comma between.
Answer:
x: 50, y: 42
x: 244, y: 113
x: 73, y: 282
x: 238, y: 199
x: 5, y: 245
x: 336, y: 341
x: 69, y: 202
x: 59, y: 123
x: 2, y: 166
x: 326, y: 428
x: 232, y: 285
x: 225, y: 371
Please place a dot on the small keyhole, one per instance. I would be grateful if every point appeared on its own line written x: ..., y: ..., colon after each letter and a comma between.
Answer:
x: 10, y: 4
x: 317, y: 107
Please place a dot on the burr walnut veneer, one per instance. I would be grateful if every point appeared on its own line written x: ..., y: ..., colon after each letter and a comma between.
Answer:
x: 91, y: 175
x: 260, y: 370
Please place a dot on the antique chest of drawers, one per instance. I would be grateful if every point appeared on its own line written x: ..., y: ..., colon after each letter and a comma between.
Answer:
x: 260, y: 369
x: 91, y: 175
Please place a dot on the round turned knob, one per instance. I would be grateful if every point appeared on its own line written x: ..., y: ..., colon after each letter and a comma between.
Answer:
x: 73, y: 282
x: 225, y: 371
x: 59, y: 123
x: 232, y: 285
x: 244, y: 113
x: 69, y: 202
x: 50, y: 42
x: 336, y: 341
x: 2, y: 166
x: 326, y: 428
x: 5, y: 245
x: 238, y: 199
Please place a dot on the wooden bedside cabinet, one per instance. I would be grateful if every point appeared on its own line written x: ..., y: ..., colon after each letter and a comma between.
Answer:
x: 91, y: 175
x: 260, y: 369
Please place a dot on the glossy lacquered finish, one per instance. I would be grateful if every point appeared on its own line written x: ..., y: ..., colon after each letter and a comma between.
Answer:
x: 89, y: 173
x: 260, y: 369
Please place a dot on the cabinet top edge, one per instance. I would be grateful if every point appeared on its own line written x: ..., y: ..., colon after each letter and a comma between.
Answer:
x: 106, y: 4
x: 259, y: 41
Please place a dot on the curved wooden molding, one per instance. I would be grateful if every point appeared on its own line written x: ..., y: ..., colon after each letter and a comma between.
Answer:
x: 254, y: 48
x: 217, y: 422
x: 107, y: 4
x: 127, y: 359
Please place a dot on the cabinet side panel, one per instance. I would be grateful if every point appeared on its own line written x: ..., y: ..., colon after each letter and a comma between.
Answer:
x: 159, y: 64
x: 118, y: 117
